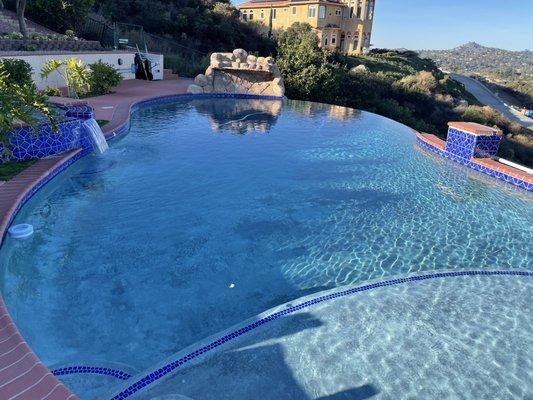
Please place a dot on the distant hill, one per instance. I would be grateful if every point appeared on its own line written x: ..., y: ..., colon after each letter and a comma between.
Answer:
x: 473, y: 57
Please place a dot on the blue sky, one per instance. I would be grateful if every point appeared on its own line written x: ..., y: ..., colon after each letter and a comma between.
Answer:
x: 436, y: 24
x: 443, y: 24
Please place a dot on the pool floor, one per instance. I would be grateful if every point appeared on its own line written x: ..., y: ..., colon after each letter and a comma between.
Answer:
x: 451, y: 338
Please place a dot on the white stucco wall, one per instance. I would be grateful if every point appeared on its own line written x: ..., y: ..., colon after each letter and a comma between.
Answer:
x: 122, y: 61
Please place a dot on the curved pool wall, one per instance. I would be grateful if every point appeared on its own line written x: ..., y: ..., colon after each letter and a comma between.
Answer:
x: 198, y: 351
x: 452, y: 336
x: 124, y: 128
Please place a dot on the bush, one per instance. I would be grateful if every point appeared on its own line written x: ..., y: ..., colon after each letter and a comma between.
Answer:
x: 15, y: 36
x: 52, y: 91
x: 103, y: 77
x: 307, y: 71
x: 19, y: 71
x: 20, y: 102
x: 423, y: 82
x: 184, y: 66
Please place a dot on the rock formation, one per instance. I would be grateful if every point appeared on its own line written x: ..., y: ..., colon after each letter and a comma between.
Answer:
x: 241, y: 73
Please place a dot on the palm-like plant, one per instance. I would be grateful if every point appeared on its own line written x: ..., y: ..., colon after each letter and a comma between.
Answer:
x: 75, y: 73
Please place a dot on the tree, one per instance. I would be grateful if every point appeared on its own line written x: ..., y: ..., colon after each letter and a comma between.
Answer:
x: 307, y: 71
x: 59, y: 15
x: 21, y: 8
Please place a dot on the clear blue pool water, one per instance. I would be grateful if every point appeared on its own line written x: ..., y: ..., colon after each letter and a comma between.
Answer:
x: 452, y: 338
x: 211, y: 211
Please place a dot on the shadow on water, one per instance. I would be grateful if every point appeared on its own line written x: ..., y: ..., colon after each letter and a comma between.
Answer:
x: 256, y: 366
x: 359, y: 393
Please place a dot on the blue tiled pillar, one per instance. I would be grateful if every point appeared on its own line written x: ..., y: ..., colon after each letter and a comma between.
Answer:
x: 467, y: 140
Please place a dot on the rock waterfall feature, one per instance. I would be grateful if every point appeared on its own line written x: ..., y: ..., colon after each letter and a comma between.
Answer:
x: 240, y: 73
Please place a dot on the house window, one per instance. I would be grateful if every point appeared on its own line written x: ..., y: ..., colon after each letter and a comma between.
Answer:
x: 370, y: 10
x: 359, y: 9
x: 311, y: 12
x: 338, y: 12
x: 351, y: 12
x: 262, y: 14
x: 325, y: 40
x: 322, y: 12
x: 245, y: 16
x: 251, y: 15
x: 294, y: 11
x: 274, y: 13
x: 334, y: 39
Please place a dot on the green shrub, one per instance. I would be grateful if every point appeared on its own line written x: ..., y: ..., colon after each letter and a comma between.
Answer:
x: 52, y: 91
x: 103, y: 77
x: 15, y: 36
x: 19, y: 71
x: 184, y: 66
x: 70, y: 34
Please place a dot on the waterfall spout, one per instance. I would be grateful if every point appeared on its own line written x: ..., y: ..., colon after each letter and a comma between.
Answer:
x: 96, y: 135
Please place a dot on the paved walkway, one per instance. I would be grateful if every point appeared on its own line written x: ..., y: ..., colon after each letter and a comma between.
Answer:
x: 22, y: 375
x: 115, y: 107
x: 485, y: 96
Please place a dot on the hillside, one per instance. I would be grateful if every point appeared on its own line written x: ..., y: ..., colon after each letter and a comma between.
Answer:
x: 473, y: 57
x: 397, y: 84
x: 508, y: 73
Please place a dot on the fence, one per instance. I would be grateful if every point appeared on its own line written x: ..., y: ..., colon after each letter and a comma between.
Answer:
x: 182, y: 59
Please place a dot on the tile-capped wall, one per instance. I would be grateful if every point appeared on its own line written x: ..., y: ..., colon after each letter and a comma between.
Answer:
x: 26, y: 143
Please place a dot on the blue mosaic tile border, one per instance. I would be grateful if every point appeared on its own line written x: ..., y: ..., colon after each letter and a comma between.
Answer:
x: 489, y: 171
x: 168, y: 368
x: 84, y: 369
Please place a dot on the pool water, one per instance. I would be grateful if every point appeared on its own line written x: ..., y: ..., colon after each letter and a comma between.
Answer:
x: 211, y: 211
x: 463, y: 337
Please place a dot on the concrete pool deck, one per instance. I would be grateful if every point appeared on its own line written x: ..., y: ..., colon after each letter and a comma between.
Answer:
x: 22, y: 375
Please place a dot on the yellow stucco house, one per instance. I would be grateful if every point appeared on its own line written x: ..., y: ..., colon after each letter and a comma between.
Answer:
x: 345, y: 25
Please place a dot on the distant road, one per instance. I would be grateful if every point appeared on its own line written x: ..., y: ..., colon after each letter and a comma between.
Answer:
x: 485, y: 96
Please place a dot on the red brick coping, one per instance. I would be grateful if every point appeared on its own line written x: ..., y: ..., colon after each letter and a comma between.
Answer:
x: 22, y: 375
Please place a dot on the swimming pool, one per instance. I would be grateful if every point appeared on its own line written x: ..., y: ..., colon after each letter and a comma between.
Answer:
x: 211, y: 211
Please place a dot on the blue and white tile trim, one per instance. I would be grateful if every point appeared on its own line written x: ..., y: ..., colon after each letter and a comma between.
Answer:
x: 84, y: 369
x: 147, y: 379
x: 469, y: 163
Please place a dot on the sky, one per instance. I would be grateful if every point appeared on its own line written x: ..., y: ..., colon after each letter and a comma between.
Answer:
x: 437, y: 24
x: 444, y: 24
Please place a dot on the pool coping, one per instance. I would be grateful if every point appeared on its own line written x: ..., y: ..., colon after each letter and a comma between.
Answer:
x: 198, y: 349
